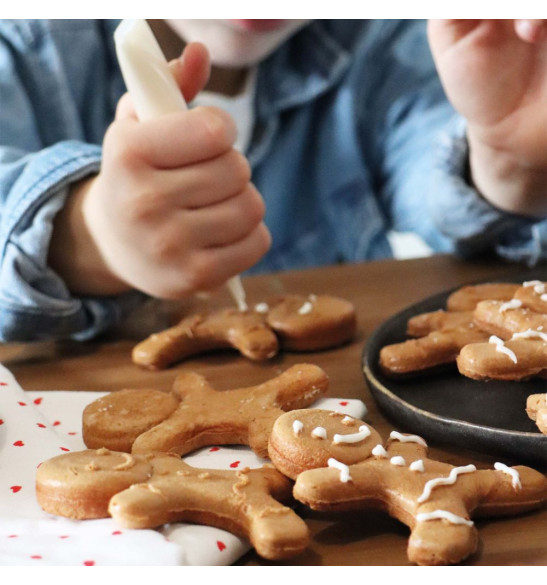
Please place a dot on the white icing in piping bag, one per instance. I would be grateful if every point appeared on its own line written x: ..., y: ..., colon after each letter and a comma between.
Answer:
x: 154, y: 90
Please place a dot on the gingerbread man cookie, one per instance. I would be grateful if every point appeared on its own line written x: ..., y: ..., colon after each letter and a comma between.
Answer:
x: 146, y: 491
x: 290, y: 323
x: 533, y: 294
x: 503, y: 319
x: 536, y: 408
x: 435, y: 499
x: 229, y: 328
x: 437, y: 347
x: 202, y: 415
x: 520, y: 358
x: 467, y: 297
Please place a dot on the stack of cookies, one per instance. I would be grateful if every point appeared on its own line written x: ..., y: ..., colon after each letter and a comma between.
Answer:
x: 491, y: 331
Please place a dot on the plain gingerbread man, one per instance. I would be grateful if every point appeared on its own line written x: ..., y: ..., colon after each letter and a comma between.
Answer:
x: 146, y: 491
x: 196, y: 415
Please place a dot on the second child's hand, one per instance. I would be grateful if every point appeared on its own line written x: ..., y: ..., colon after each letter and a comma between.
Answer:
x: 495, y: 74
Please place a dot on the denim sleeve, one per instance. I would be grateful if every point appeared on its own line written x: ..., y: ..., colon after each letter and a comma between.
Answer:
x: 34, y: 301
x: 34, y: 183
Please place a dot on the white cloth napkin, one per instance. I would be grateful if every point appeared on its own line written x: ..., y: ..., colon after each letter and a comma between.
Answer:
x: 35, y: 426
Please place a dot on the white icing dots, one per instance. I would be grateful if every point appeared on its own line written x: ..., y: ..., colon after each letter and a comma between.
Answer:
x: 342, y: 468
x: 450, y: 480
x: 319, y: 433
x: 512, y: 304
x: 417, y: 466
x: 379, y: 451
x: 305, y: 309
x: 443, y: 515
x: 363, y: 433
x: 398, y: 461
x: 394, y: 435
x: 500, y: 346
x: 262, y: 308
x: 297, y: 427
x: 511, y: 472
x: 538, y: 286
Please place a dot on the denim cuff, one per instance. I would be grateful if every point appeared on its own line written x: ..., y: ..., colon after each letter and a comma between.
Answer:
x: 462, y: 214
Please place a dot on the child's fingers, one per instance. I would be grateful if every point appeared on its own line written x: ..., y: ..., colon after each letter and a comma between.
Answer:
x: 125, y: 108
x: 175, y: 140
x: 228, y: 221
x: 214, y: 266
x: 531, y: 31
x: 206, y: 183
x: 191, y: 70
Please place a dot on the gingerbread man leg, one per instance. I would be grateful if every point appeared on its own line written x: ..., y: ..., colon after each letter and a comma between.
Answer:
x: 243, y: 502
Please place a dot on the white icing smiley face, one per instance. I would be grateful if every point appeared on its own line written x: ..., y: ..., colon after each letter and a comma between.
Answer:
x: 329, y: 435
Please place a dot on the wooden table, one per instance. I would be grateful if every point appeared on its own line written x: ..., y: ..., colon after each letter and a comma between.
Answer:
x: 378, y: 289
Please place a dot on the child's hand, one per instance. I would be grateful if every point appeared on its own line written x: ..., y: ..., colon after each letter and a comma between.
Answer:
x: 495, y: 74
x: 173, y: 210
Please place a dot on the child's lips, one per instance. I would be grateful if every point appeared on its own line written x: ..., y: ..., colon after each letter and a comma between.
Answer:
x: 258, y: 24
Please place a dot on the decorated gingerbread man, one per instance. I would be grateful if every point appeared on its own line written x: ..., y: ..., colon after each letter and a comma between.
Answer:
x: 435, y: 499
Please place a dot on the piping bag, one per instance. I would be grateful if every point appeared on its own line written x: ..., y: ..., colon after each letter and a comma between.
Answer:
x: 154, y: 90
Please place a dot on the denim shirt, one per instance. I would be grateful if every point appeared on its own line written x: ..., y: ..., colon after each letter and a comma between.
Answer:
x: 353, y: 137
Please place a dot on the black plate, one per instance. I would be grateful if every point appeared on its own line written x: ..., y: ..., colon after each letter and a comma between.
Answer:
x: 448, y: 408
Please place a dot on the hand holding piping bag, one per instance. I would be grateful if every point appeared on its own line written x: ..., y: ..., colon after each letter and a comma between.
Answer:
x: 154, y: 90
x: 172, y: 211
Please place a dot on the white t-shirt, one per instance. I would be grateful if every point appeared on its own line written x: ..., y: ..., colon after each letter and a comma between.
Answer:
x: 240, y: 107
